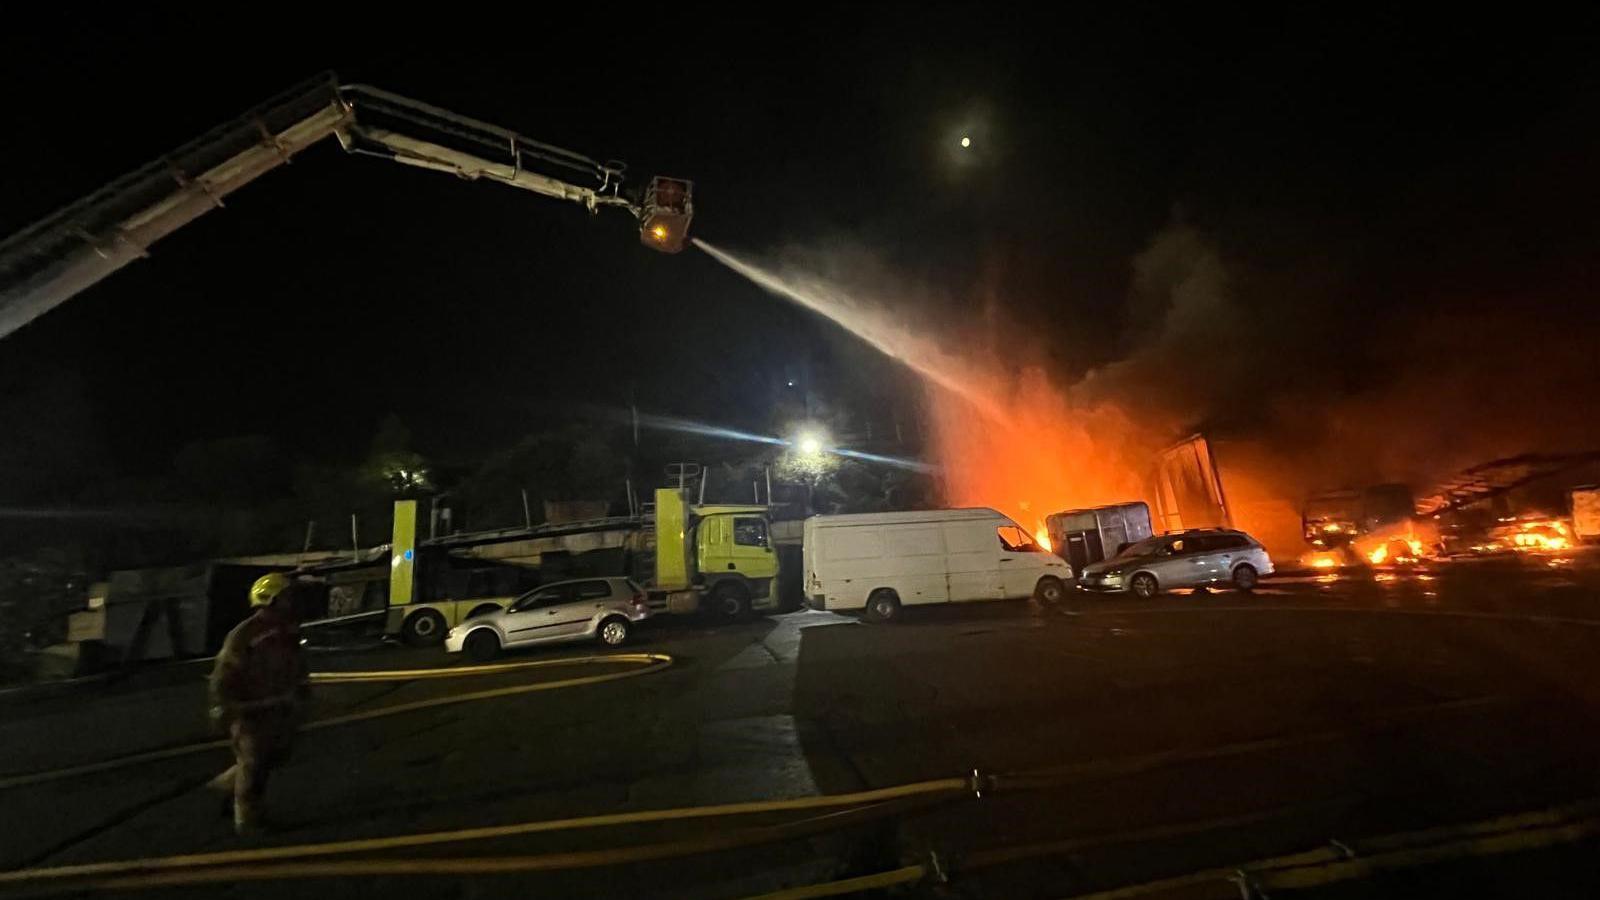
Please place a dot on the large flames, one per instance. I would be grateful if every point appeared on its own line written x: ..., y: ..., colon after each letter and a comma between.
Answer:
x: 1401, y: 551
x: 1532, y: 535
x: 1013, y: 439
x: 1542, y: 534
x: 1031, y: 447
x: 1016, y: 442
x: 1046, y: 453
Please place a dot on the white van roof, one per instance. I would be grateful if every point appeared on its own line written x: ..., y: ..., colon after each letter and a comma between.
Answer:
x: 908, y: 517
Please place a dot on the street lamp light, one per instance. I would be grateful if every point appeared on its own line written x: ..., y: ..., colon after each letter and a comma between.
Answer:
x: 808, y: 461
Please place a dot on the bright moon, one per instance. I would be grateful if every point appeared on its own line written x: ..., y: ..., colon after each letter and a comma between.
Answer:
x: 966, y: 142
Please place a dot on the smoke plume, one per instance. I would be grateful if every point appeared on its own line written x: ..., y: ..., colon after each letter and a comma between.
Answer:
x: 1298, y: 387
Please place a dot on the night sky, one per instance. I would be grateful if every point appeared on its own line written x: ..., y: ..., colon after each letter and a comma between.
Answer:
x: 1350, y: 168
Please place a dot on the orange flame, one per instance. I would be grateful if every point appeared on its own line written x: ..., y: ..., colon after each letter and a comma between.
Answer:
x: 1085, y: 464
x: 1320, y: 559
x: 1542, y: 534
x: 1406, y: 550
x: 1043, y: 537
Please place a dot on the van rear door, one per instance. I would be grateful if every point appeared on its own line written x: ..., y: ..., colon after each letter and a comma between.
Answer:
x: 972, y: 557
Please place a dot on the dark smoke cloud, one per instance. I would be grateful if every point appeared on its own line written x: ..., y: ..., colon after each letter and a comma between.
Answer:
x: 1338, y: 390
x: 1304, y: 382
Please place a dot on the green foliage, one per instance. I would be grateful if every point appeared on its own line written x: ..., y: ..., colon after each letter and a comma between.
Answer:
x: 393, y: 462
x: 572, y: 463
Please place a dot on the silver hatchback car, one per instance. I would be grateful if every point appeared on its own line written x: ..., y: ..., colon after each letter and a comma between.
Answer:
x: 602, y: 609
x: 1182, y: 559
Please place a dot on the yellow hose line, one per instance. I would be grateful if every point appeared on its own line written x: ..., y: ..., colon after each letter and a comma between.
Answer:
x: 475, y: 865
x: 1366, y: 866
x: 650, y: 662
x: 401, y: 841
x: 485, y: 669
x: 848, y: 885
x: 1327, y: 865
x: 1466, y: 614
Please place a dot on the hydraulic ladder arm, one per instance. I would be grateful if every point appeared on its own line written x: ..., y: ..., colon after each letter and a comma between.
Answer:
x: 49, y: 262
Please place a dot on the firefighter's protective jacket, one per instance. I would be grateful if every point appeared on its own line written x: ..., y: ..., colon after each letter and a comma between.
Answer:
x: 260, y: 668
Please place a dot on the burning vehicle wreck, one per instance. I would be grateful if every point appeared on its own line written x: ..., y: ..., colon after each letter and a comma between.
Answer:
x: 1533, y: 504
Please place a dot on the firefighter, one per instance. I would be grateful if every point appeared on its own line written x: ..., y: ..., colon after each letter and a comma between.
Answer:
x: 258, y: 689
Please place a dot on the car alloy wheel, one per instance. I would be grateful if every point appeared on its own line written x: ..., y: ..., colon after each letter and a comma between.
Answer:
x: 613, y: 632
x: 1144, y: 586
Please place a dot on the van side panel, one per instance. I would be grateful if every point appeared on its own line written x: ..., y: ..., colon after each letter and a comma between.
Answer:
x: 849, y: 559
x: 853, y: 561
x: 914, y: 564
x: 924, y: 557
x: 973, y: 559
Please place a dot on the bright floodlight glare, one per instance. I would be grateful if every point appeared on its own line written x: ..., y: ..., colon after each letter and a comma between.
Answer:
x: 810, y: 445
x: 966, y: 141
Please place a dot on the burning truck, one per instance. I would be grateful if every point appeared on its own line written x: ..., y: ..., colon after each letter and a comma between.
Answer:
x: 1376, y: 525
x: 1521, y: 504
x: 1531, y: 503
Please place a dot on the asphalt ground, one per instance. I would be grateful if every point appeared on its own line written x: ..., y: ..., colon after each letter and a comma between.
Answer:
x: 1119, y: 742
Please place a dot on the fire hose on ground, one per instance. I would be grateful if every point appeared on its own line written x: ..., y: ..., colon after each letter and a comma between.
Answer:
x: 647, y: 663
x: 1336, y: 861
x: 300, y: 862
x: 307, y: 860
x: 842, y: 811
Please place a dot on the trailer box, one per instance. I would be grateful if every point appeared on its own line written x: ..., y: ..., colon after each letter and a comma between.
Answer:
x: 1586, y: 513
x: 1084, y: 536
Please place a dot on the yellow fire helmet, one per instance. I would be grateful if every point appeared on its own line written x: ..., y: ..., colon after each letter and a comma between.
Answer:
x: 267, y: 588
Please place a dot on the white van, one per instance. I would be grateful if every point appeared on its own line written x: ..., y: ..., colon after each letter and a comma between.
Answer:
x: 879, y: 562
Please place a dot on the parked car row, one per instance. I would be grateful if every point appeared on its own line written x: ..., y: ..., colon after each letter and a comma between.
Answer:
x: 877, y: 564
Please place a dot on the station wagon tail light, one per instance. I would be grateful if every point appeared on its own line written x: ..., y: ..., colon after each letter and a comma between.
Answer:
x: 638, y: 599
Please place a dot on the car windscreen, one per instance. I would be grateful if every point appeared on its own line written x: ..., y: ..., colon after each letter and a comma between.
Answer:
x: 1146, y: 547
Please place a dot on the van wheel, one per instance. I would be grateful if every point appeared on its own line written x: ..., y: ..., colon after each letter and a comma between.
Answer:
x: 614, y: 632
x: 730, y: 601
x: 1049, y: 590
x: 424, y: 629
x: 481, y: 645
x: 883, y: 606
x: 1245, y: 577
x: 1144, y: 586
